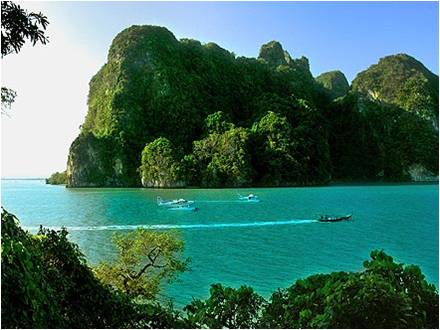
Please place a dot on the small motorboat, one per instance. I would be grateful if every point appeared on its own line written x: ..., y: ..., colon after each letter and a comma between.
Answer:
x: 249, y: 198
x: 327, y: 218
x: 174, y: 202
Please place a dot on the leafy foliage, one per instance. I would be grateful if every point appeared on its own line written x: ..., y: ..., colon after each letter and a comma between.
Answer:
x: 384, y: 295
x: 403, y: 81
x: 276, y: 150
x: 159, y: 167
x: 226, y: 308
x: 369, y: 140
x: 57, y: 178
x: 19, y: 25
x: 224, y: 159
x: 46, y: 283
x: 145, y: 258
x: 8, y: 97
x: 218, y: 122
x: 334, y: 82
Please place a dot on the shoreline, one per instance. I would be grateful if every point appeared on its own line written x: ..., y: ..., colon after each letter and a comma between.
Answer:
x: 338, y: 183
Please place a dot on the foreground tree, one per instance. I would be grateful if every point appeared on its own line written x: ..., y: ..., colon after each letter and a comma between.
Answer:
x: 145, y: 259
x: 226, y: 307
x: 7, y: 97
x: 46, y: 283
x: 17, y: 26
x: 384, y: 295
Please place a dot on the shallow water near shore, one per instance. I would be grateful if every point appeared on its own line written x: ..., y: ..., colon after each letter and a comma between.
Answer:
x: 266, y: 245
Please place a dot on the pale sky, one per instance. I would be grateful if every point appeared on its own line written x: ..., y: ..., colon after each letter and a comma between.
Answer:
x: 52, y: 86
x: 52, y: 80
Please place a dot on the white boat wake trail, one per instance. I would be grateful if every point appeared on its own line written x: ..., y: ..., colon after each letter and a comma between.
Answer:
x: 188, y: 226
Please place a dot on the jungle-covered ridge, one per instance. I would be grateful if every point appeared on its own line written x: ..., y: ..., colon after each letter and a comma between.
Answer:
x: 47, y: 283
x: 170, y: 113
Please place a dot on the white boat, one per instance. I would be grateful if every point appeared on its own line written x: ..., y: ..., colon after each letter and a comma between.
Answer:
x: 173, y: 202
x: 248, y: 198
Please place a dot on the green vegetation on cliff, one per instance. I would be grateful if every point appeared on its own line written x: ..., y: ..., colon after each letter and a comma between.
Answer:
x: 57, y: 178
x: 159, y: 166
x: 47, y: 283
x: 403, y: 81
x: 220, y: 115
x: 371, y: 140
x: 334, y: 82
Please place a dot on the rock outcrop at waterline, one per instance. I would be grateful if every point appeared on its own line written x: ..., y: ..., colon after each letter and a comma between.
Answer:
x: 234, y: 121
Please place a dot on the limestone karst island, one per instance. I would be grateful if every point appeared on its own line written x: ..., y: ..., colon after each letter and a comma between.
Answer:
x: 172, y: 113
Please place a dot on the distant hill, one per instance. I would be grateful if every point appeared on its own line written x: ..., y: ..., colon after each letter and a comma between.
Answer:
x: 334, y: 82
x: 169, y: 113
x: 403, y: 81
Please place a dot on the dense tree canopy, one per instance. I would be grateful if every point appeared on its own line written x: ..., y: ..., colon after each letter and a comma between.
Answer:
x: 224, y: 158
x: 169, y: 89
x: 218, y: 122
x: 226, y: 308
x: 46, y: 283
x: 384, y: 295
x: 159, y: 164
x: 276, y: 150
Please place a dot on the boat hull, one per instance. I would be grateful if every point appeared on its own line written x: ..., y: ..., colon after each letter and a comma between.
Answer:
x: 185, y: 209
x: 336, y: 219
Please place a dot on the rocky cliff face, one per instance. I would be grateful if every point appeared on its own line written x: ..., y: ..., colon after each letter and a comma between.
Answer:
x: 273, y: 54
x: 87, y: 163
x: 418, y: 173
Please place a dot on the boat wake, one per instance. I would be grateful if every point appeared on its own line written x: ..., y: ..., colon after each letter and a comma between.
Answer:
x: 226, y: 201
x: 186, y: 226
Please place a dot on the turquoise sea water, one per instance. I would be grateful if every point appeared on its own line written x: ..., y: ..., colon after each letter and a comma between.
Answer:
x: 266, y: 245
